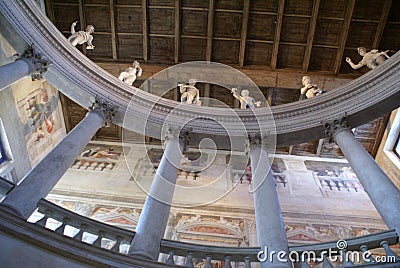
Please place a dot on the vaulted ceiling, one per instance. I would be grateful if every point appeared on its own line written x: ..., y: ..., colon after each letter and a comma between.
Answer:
x: 303, y: 36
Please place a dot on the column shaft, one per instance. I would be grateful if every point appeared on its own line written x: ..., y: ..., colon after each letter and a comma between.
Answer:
x: 23, y: 199
x: 380, y: 189
x: 154, y: 217
x: 269, y: 223
x: 12, y: 72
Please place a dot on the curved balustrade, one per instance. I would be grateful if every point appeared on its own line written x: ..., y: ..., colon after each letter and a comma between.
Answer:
x: 246, y: 255
x: 364, y: 99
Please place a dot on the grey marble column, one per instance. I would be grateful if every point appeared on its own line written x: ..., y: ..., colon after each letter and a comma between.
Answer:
x: 154, y: 217
x: 29, y: 64
x: 269, y: 223
x: 23, y: 199
x: 380, y: 189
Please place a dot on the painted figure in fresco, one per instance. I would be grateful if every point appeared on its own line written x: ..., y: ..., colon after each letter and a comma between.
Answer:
x: 190, y: 94
x: 40, y: 114
x: 130, y: 74
x: 245, y: 100
x: 371, y: 59
x: 81, y: 37
x: 309, y: 90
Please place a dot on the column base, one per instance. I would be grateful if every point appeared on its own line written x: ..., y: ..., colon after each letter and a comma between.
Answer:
x: 11, y: 210
x: 142, y: 255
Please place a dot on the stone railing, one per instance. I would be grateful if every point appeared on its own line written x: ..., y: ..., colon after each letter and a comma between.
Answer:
x: 117, y: 240
x: 363, y: 99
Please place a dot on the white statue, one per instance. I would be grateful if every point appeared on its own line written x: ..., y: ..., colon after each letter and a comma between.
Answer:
x: 129, y: 75
x: 190, y: 94
x: 245, y: 100
x: 81, y: 37
x: 309, y: 90
x: 371, y: 59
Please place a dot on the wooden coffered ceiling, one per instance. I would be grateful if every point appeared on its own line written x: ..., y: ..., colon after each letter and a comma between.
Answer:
x: 305, y: 35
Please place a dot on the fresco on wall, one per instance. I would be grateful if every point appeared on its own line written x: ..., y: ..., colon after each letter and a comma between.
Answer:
x: 40, y: 112
x: 337, y: 177
x: 97, y: 157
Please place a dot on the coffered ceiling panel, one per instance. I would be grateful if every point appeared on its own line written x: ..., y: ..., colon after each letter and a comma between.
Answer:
x: 227, y: 24
x: 258, y: 53
x: 95, y: 16
x: 161, y: 21
x: 130, y: 47
x: 226, y: 51
x: 290, y: 56
x: 194, y: 22
x: 295, y: 29
x: 303, y: 7
x: 128, y: 19
x: 161, y: 49
x: 261, y: 27
x: 193, y: 49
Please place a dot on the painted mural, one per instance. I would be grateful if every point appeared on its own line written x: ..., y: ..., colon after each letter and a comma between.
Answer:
x: 40, y: 113
x: 98, y: 158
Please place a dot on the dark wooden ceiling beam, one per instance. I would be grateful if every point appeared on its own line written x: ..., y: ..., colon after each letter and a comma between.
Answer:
x: 177, y: 31
x: 210, y: 27
x: 245, y: 21
x: 113, y: 30
x: 145, y: 27
x: 278, y: 29
x: 343, y: 36
x: 310, y: 37
x: 82, y: 21
x: 50, y: 10
x: 382, y: 23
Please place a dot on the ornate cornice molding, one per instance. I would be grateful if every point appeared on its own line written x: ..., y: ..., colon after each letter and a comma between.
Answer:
x: 364, y: 99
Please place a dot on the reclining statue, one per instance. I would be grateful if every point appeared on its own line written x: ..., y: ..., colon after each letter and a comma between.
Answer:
x: 245, y: 100
x: 309, y: 90
x: 190, y: 94
x: 371, y: 59
x: 79, y: 38
x: 130, y: 74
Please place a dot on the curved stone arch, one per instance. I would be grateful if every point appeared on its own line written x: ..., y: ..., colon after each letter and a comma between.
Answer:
x: 363, y: 99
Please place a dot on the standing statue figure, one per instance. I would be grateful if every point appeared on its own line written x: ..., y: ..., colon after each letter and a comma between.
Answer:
x: 129, y: 75
x: 309, y: 90
x: 245, y: 100
x: 371, y: 59
x: 81, y: 37
x: 190, y: 94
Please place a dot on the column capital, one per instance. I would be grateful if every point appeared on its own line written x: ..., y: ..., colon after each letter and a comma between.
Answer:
x: 331, y: 128
x: 38, y: 64
x: 182, y: 134
x: 105, y: 109
x: 256, y: 140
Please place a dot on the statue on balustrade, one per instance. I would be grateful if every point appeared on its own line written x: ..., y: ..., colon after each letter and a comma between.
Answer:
x: 309, y: 90
x: 81, y: 37
x: 245, y: 100
x: 130, y: 74
x: 371, y: 59
x: 190, y: 94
